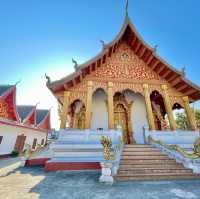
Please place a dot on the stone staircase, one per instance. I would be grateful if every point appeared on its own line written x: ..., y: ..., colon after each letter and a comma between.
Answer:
x: 144, y: 162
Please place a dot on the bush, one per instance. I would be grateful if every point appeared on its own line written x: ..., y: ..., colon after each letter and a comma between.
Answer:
x: 14, y: 153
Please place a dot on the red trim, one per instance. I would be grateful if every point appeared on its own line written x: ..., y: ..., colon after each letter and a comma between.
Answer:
x: 36, y: 162
x: 22, y: 126
x: 71, y: 166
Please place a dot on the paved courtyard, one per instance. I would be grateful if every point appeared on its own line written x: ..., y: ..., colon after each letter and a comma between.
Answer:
x: 21, y: 183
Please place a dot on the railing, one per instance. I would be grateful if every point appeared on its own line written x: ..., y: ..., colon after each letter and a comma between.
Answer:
x: 188, y: 159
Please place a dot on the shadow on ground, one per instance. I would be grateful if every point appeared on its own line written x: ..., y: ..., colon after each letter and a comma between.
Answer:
x: 35, y: 183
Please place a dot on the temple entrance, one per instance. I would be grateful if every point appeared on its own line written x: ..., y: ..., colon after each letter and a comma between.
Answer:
x: 121, y: 119
x: 77, y: 114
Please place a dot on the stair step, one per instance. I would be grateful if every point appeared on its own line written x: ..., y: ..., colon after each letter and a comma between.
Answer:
x: 157, y: 174
x: 169, y: 177
x: 153, y: 171
x: 138, y: 146
x: 146, y: 162
x: 140, y: 149
x: 133, y: 153
x: 150, y: 166
x: 144, y: 157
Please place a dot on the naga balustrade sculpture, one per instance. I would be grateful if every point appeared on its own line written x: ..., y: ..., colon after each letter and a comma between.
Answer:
x: 194, y: 155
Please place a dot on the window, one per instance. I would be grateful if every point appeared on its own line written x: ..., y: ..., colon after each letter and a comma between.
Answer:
x: 42, y: 142
x: 1, y: 138
x: 34, y: 143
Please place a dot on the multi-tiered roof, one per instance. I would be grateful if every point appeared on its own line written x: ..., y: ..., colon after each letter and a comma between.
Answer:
x: 145, y: 52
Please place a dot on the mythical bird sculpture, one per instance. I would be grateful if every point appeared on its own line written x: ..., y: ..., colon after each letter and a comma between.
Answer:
x: 183, y: 70
x: 103, y: 44
x: 155, y: 48
x: 47, y: 78
x: 75, y: 64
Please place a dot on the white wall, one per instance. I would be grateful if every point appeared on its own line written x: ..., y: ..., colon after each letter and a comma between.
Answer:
x: 99, y: 111
x: 10, y: 134
x: 138, y: 115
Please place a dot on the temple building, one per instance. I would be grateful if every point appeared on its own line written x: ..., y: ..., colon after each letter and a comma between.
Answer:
x: 20, y: 124
x: 128, y: 86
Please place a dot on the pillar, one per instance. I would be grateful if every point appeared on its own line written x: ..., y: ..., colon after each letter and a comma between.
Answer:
x: 110, y: 106
x: 64, y: 110
x: 88, y: 105
x: 148, y: 107
x: 168, y: 107
x: 190, y: 114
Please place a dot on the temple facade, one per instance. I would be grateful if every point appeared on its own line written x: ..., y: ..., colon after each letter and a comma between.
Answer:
x: 128, y: 86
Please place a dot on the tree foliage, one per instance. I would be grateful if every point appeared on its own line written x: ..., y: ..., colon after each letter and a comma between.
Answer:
x: 182, y: 122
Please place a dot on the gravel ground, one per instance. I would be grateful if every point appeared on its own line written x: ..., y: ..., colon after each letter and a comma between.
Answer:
x: 33, y: 182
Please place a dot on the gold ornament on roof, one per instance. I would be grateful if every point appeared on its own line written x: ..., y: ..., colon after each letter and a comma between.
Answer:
x: 3, y: 109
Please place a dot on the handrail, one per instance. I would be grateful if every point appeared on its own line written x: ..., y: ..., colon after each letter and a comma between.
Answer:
x: 194, y: 155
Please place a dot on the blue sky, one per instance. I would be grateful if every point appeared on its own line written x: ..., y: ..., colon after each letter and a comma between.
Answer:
x: 38, y: 36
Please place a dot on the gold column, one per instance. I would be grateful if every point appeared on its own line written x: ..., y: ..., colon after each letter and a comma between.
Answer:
x: 190, y: 114
x: 148, y: 107
x: 168, y: 107
x: 110, y: 106
x: 64, y: 109
x: 88, y: 105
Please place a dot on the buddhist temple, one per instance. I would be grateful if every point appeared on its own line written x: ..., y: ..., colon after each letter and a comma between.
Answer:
x: 127, y: 86
x: 20, y: 125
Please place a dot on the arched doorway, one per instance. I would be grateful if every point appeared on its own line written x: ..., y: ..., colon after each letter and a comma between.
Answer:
x: 159, y: 112
x: 77, y: 114
x: 122, y: 112
x: 99, y: 114
x: 81, y: 118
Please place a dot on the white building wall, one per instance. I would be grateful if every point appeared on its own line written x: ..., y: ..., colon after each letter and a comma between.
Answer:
x: 138, y: 115
x: 99, y: 111
x: 10, y: 134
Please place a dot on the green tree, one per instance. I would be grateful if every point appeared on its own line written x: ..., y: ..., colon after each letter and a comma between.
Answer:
x: 181, y: 120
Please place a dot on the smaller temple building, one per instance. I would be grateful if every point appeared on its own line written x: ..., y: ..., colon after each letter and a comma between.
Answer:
x: 20, y: 125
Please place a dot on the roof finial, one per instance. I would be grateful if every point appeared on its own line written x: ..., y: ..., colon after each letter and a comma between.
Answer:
x: 155, y: 48
x: 75, y: 64
x: 183, y: 70
x: 37, y: 104
x: 103, y: 44
x: 18, y: 82
x: 48, y: 79
x: 126, y: 7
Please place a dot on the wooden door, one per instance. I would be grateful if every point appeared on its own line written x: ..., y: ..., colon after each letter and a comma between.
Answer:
x: 120, y: 119
x: 81, y: 119
x: 19, y: 144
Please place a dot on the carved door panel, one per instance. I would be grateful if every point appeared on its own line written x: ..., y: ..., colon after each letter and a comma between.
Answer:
x: 81, y: 119
x: 120, y: 119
